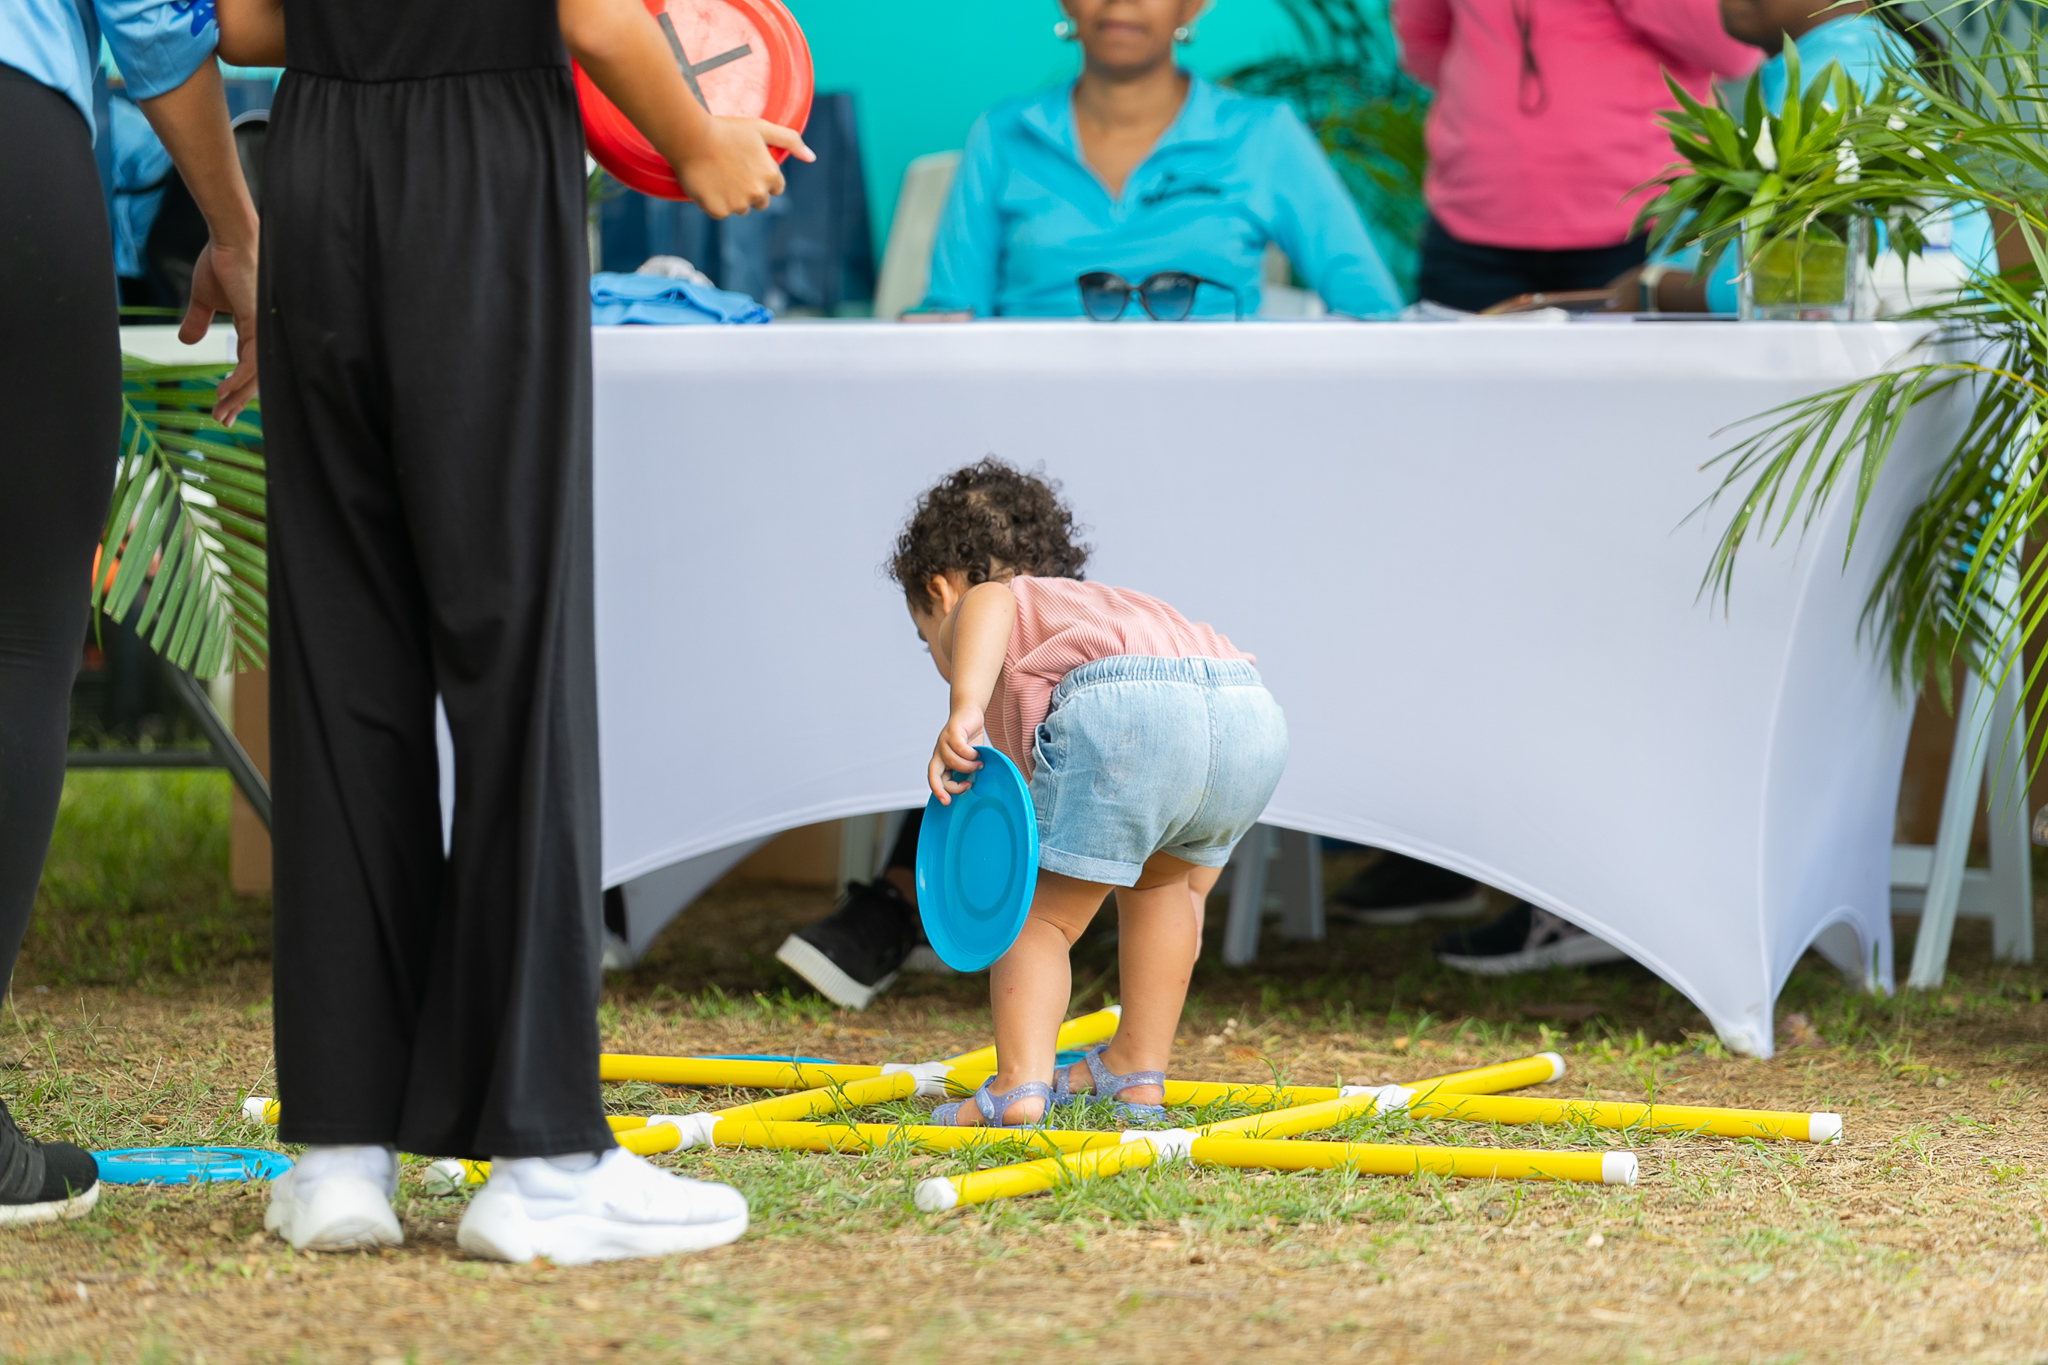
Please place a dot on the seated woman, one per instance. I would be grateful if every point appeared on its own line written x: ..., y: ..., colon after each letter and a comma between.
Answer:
x: 1139, y: 167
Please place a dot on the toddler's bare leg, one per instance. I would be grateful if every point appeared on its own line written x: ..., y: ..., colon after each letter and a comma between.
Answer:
x: 1029, y: 987
x: 1159, y: 936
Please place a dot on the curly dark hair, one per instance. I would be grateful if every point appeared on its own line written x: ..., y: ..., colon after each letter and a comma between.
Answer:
x: 987, y: 518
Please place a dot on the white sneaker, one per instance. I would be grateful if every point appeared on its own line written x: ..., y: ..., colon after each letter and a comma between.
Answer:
x: 336, y: 1199
x: 596, y: 1207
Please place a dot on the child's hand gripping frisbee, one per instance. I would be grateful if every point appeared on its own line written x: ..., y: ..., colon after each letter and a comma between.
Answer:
x: 741, y: 59
x: 977, y: 865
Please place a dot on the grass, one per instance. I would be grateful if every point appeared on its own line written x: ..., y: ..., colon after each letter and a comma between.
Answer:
x: 135, y: 887
x: 1923, y: 1233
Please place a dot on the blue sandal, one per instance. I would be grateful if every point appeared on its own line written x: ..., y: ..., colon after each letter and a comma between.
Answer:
x: 1108, y: 1085
x: 993, y: 1107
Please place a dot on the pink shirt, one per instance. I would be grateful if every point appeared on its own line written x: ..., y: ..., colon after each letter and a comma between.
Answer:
x: 1063, y: 623
x: 1552, y: 164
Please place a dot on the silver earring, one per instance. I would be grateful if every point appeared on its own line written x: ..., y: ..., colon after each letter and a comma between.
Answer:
x: 1184, y: 34
x: 1064, y: 29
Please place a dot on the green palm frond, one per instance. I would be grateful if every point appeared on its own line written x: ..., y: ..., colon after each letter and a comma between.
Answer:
x: 1968, y: 133
x: 184, y: 541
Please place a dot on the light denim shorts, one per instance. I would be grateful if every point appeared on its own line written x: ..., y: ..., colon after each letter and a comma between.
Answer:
x: 1143, y: 755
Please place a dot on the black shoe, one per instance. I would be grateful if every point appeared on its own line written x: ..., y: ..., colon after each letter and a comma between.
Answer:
x: 853, y: 954
x: 42, y: 1182
x: 1525, y: 939
x: 1402, y: 890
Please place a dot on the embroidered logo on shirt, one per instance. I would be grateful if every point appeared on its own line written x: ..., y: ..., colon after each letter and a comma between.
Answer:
x: 200, y: 10
x: 1171, y: 188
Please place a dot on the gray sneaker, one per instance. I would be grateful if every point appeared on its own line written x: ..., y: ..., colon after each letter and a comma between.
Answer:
x: 1526, y: 939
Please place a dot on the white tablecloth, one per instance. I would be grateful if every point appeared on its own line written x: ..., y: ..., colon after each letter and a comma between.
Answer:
x: 1460, y: 553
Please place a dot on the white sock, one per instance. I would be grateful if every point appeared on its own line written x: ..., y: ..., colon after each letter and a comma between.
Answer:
x: 375, y: 1163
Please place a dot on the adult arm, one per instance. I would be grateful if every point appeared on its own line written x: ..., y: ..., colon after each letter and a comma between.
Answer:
x: 1317, y: 223
x: 168, y: 63
x: 1690, y: 33
x: 974, y: 640
x: 722, y: 163
x: 1424, y: 30
x: 192, y: 122
x: 967, y: 247
x: 251, y: 31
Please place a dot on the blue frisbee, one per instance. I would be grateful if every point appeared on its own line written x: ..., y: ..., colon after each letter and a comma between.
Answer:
x: 977, y: 864
x: 183, y: 1165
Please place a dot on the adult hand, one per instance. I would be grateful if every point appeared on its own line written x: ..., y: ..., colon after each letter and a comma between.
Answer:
x: 224, y: 281
x: 954, y: 753
x: 729, y: 170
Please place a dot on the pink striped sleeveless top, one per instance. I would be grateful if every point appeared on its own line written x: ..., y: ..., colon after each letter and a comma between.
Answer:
x: 1063, y: 623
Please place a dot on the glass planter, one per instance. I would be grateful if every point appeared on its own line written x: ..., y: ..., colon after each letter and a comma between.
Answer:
x: 1813, y: 276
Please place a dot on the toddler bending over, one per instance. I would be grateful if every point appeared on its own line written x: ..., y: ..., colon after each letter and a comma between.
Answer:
x: 1151, y: 747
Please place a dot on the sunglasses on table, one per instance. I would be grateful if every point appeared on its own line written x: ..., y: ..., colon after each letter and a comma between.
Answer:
x: 1168, y: 296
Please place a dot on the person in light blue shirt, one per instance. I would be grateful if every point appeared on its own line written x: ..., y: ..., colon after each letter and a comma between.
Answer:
x: 1140, y: 167
x: 158, y: 44
x: 63, y: 396
x: 1865, y: 47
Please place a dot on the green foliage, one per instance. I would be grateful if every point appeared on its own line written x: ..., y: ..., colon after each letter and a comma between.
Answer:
x: 1794, y: 173
x: 1965, y: 132
x: 1366, y: 113
x: 135, y: 887
x: 185, y: 534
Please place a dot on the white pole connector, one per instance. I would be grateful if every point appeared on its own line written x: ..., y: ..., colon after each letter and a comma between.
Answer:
x: 935, y: 1195
x: 1168, y: 1144
x: 253, y: 1107
x: 931, y: 1077
x: 694, y: 1128
x: 1617, y: 1168
x: 1556, y: 1064
x: 1387, y: 1099
x: 446, y: 1176
x: 1823, y: 1127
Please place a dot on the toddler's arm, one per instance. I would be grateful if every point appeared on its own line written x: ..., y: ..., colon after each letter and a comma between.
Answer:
x: 974, y: 641
x: 723, y: 163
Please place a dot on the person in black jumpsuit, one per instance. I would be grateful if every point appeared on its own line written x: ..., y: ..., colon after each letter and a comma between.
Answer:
x: 425, y: 347
x: 425, y: 353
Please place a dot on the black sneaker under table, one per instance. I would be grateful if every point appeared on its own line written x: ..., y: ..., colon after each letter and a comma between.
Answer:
x: 43, y: 1182
x: 1400, y: 890
x: 853, y: 954
x: 1525, y: 939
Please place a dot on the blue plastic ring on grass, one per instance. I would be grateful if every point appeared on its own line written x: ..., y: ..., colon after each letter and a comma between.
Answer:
x: 184, y: 1165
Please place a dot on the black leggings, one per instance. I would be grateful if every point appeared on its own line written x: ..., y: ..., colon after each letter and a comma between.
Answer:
x: 61, y: 390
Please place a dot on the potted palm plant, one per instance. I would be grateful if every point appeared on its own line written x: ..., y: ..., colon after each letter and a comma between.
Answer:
x: 1969, y: 133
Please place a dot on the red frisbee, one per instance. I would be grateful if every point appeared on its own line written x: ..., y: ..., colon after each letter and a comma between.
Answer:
x: 741, y: 58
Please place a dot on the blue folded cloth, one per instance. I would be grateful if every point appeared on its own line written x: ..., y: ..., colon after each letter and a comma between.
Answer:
x: 659, y: 301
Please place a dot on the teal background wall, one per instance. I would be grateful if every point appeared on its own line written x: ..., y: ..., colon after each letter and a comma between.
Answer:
x: 921, y: 71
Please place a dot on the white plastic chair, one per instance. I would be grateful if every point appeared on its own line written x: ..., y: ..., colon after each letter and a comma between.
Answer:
x: 907, y: 256
x: 1277, y: 869
x: 1932, y: 881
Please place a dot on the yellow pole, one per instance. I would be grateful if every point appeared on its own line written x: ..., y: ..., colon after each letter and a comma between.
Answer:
x: 1540, y: 1069
x: 1085, y: 1031
x: 1816, y: 1127
x: 736, y: 1075
x: 1381, y: 1158
x: 1140, y: 1148
x: 803, y: 1103
x: 862, y: 1137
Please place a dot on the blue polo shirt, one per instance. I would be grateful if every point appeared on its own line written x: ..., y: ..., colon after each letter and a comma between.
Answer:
x: 1233, y: 172
x: 158, y: 44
